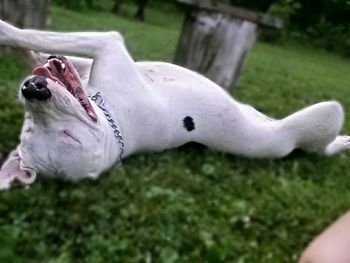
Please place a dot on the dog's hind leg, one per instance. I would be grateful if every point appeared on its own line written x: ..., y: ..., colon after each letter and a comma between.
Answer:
x: 316, y: 128
x: 249, y: 133
x: 252, y: 134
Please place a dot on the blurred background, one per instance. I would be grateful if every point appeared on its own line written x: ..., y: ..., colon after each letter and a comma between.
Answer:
x: 190, y: 204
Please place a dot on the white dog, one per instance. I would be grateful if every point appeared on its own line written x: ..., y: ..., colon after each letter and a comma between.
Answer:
x: 138, y: 107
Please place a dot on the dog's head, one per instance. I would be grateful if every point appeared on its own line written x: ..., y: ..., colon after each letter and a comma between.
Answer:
x: 57, y: 84
x: 62, y: 133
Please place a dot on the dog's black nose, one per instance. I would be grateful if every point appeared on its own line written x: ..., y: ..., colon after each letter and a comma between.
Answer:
x: 36, y: 88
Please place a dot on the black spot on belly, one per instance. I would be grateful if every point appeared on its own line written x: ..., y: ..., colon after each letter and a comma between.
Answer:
x: 188, y: 123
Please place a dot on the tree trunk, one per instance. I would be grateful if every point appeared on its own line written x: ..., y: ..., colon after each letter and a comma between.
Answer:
x: 116, y: 7
x: 140, y: 13
x: 89, y: 4
x: 215, y: 45
x: 24, y: 14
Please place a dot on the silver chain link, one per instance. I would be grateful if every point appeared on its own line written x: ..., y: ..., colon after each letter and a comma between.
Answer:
x: 100, y: 102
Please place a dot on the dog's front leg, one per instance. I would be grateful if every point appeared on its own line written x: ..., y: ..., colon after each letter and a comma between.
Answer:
x: 107, y: 49
x: 83, y: 44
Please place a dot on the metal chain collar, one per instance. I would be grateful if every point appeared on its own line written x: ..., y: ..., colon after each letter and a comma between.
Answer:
x: 100, y: 102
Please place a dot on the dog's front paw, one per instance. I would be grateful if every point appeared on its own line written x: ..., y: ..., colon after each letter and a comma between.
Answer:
x: 37, y: 58
x: 341, y: 143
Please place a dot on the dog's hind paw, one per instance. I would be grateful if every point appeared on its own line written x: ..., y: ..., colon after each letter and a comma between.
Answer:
x: 341, y: 143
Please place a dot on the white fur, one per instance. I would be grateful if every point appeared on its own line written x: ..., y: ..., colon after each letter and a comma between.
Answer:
x: 150, y: 101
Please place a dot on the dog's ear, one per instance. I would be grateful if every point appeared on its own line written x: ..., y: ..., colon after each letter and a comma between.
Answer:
x: 11, y: 171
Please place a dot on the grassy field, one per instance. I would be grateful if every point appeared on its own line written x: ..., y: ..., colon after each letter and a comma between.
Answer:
x: 189, y: 204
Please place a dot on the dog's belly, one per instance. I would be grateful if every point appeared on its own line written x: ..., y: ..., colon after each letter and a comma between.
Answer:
x: 199, y: 110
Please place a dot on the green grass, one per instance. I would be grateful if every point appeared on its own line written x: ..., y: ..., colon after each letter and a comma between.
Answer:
x: 189, y: 204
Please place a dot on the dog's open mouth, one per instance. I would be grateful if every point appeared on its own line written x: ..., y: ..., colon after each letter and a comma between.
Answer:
x: 60, y: 70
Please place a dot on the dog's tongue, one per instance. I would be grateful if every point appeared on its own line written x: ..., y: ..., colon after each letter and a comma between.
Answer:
x: 42, y: 71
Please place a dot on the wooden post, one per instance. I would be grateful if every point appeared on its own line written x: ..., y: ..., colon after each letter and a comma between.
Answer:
x: 216, y: 39
x: 24, y: 13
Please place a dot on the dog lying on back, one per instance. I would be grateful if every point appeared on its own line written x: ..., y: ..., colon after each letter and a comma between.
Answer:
x: 82, y: 115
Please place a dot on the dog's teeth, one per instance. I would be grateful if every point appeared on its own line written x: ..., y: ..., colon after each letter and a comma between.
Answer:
x: 63, y: 66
